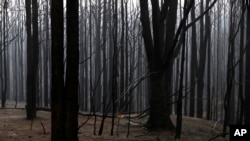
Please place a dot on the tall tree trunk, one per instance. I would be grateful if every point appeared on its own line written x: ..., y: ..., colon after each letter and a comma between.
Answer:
x: 247, y: 83
x: 193, y: 66
x: 4, y: 83
x: 180, y: 95
x: 72, y: 69
x: 57, y: 92
x: 240, y: 73
x: 32, y: 58
x: 208, y: 43
x: 46, y: 65
x: 114, y: 65
x: 202, y: 62
x: 229, y: 98
x: 98, y: 71
x: 122, y: 51
x: 86, y: 92
x: 160, y: 75
x: 218, y: 64
x: 104, y: 90
x: 126, y: 49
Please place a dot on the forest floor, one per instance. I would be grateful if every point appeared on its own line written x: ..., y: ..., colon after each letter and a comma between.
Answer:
x: 14, y: 127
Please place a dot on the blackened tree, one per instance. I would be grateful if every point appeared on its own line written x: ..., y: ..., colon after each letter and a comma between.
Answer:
x: 160, y: 52
x: 32, y: 56
x: 71, y: 84
x: 57, y: 92
x: 247, y: 83
x: 65, y: 96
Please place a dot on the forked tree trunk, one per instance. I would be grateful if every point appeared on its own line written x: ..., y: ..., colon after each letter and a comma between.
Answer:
x: 157, y: 48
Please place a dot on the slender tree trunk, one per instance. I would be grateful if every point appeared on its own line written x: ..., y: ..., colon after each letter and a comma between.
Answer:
x: 230, y: 70
x: 218, y: 65
x: 193, y: 66
x: 114, y: 65
x: 240, y: 73
x: 247, y: 83
x: 86, y: 92
x: 4, y: 83
x: 46, y: 65
x: 98, y: 71
x: 202, y: 62
x: 32, y: 58
x: 180, y: 95
x: 104, y: 90
x: 208, y: 42
x: 122, y: 52
x: 126, y: 49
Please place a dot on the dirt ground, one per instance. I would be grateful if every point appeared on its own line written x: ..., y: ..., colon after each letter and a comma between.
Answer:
x: 14, y: 127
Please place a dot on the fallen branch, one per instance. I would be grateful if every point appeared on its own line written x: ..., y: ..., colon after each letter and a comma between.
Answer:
x: 221, y: 134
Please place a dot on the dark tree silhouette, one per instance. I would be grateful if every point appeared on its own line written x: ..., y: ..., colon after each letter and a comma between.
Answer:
x: 201, y: 67
x: 64, y: 104
x: 4, y: 83
x: 57, y: 92
x: 193, y: 65
x: 114, y: 68
x: 229, y: 95
x: 32, y: 57
x: 71, y: 84
x: 247, y: 83
x: 242, y: 35
x: 180, y: 94
x: 208, y: 44
x: 159, y: 51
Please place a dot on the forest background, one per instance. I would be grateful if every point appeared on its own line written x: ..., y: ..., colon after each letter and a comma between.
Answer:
x: 159, y: 57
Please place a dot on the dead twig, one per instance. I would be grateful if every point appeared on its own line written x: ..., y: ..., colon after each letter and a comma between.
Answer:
x: 44, y: 130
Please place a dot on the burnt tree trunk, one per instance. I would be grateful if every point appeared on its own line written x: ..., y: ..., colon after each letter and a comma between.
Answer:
x: 72, y: 70
x: 247, y: 83
x: 160, y: 50
x: 57, y: 92
x: 32, y: 57
x: 193, y: 65
x: 201, y: 71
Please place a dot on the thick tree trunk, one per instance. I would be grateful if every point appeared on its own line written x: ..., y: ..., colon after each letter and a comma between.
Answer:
x: 72, y: 68
x: 158, y: 47
x: 159, y: 117
x: 57, y: 92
